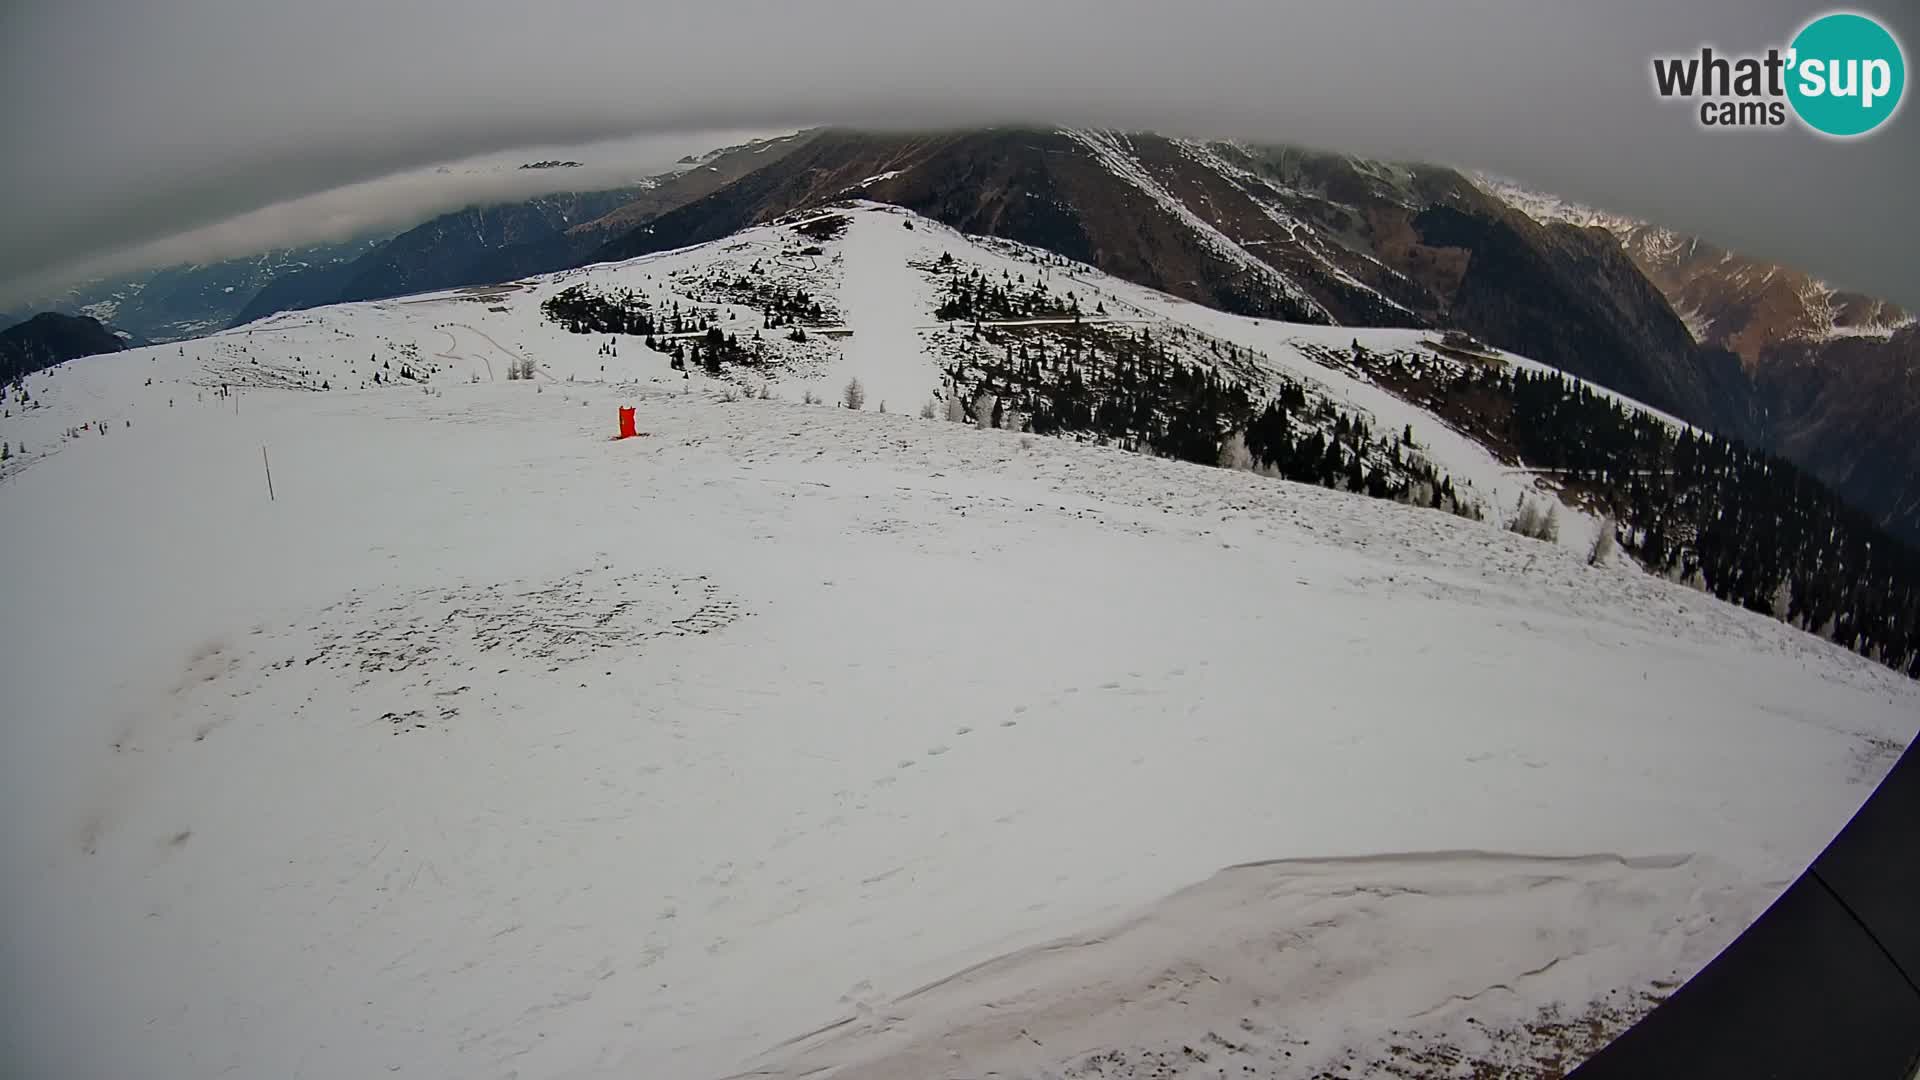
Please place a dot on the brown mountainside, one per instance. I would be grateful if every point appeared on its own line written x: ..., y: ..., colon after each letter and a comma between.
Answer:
x: 1282, y: 232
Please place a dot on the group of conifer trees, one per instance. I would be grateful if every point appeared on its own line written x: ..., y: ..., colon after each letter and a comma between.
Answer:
x: 582, y: 310
x: 972, y: 295
x: 1750, y: 528
x: 781, y: 306
x: 1128, y: 389
x: 712, y: 352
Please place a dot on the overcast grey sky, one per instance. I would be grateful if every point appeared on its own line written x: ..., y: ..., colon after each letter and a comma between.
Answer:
x: 129, y: 121
x: 397, y: 201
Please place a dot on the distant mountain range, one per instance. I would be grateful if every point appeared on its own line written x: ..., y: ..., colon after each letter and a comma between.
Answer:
x: 482, y: 245
x: 1745, y: 348
x: 468, y: 247
x: 1832, y: 378
x: 51, y: 338
x: 1272, y: 232
x: 191, y: 299
x: 1827, y: 380
x: 471, y: 246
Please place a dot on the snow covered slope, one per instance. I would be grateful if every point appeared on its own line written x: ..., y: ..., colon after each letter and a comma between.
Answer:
x: 489, y: 746
x: 879, y: 278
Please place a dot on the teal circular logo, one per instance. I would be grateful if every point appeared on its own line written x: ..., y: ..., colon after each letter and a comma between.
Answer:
x: 1847, y: 74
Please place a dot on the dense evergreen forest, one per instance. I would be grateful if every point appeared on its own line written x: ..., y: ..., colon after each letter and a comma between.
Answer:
x: 1130, y: 389
x: 974, y: 296
x: 689, y: 337
x: 1748, y: 527
x: 585, y: 311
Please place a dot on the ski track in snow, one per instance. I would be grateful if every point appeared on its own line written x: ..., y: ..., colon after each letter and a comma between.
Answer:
x: 494, y: 747
x: 885, y: 306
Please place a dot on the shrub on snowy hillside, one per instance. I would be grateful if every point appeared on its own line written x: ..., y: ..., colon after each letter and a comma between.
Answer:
x: 1536, y: 520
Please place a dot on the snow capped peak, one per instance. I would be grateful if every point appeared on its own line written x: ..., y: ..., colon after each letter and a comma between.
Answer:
x: 1549, y: 209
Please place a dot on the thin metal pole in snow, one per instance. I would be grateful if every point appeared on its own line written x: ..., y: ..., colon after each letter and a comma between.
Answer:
x: 269, y: 467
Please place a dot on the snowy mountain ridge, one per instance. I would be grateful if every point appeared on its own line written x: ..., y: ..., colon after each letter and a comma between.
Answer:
x: 192, y: 299
x: 1824, y: 312
x: 416, y: 725
x: 884, y: 276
